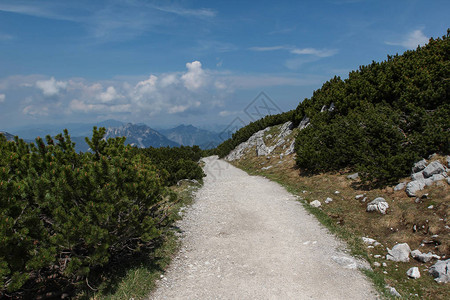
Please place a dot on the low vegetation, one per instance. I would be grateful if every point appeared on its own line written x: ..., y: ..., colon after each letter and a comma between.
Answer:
x: 66, y: 216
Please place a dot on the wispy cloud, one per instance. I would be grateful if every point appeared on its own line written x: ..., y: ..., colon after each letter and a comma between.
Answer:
x: 315, y: 52
x: 298, y: 51
x: 113, y: 21
x: 411, y: 40
x: 270, y: 48
x: 201, y: 13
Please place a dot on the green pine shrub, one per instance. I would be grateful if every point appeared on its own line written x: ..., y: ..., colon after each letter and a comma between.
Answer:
x: 386, y: 116
x: 63, y: 214
x: 177, y: 163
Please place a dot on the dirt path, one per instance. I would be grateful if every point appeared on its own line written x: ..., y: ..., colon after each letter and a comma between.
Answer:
x: 246, y: 237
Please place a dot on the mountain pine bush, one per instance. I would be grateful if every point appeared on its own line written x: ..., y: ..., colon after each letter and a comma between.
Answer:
x: 386, y: 116
x: 63, y: 214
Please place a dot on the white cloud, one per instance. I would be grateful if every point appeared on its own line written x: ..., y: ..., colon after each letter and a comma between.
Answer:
x: 412, y: 40
x: 33, y: 110
x: 202, y: 12
x: 226, y: 113
x: 298, y: 51
x: 2, y: 98
x: 169, y: 79
x: 315, y: 52
x: 193, y: 91
x: 109, y: 95
x: 195, y: 76
x: 146, y: 86
x: 220, y: 85
x: 270, y: 48
x: 51, y: 87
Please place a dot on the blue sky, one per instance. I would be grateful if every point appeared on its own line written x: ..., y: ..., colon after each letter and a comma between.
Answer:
x: 164, y: 63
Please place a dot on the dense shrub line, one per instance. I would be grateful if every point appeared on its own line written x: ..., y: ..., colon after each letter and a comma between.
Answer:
x: 386, y: 116
x: 180, y: 162
x: 244, y: 133
x: 64, y: 214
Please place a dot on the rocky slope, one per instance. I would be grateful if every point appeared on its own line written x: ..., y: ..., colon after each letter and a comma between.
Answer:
x: 141, y: 136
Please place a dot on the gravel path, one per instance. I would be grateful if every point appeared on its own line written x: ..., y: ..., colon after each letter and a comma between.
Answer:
x: 246, y: 237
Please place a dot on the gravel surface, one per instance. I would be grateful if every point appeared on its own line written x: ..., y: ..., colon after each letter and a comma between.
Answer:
x: 246, y: 237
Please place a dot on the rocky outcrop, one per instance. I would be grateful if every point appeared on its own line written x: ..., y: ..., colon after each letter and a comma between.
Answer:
x: 413, y: 273
x: 399, y: 252
x: 414, y: 186
x: 378, y: 204
x: 304, y: 123
x: 370, y: 241
x: 258, y: 139
x: 419, y: 166
x: 434, y: 168
x: 315, y: 203
x: 353, y: 176
x: 441, y: 271
x: 424, y: 175
x: 400, y: 186
x: 244, y: 147
x: 423, y: 257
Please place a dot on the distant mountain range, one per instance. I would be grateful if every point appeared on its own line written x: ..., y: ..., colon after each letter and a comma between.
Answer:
x: 189, y: 135
x: 139, y: 135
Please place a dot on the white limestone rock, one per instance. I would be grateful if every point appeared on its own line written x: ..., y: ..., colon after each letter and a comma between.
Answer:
x: 433, y: 168
x: 353, y: 176
x: 419, y: 166
x: 370, y: 241
x: 413, y: 273
x: 400, y: 186
x: 378, y: 204
x: 304, y: 123
x: 399, y: 252
x: 438, y: 177
x: 423, y: 257
x: 417, y: 176
x: 315, y: 203
x: 414, y: 186
x: 291, y: 148
x: 328, y: 200
x: 393, y: 291
x: 285, y: 130
x: 441, y: 271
